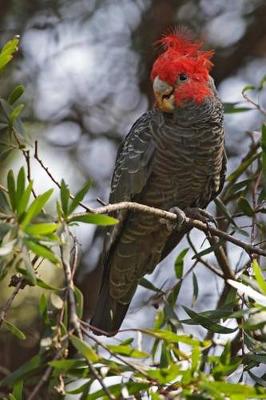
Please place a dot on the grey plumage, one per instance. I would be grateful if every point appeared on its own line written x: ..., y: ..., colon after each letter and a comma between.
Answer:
x: 166, y: 160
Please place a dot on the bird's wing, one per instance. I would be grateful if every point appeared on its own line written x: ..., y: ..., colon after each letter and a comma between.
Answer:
x: 222, y: 177
x: 134, y: 161
x: 132, y: 170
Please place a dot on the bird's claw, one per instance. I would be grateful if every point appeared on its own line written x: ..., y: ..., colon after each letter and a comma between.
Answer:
x: 180, y: 218
x: 200, y: 214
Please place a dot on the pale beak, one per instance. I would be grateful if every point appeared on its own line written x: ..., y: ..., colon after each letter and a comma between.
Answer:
x: 164, y: 94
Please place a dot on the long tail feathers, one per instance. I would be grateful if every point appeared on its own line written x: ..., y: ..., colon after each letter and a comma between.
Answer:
x: 108, y: 314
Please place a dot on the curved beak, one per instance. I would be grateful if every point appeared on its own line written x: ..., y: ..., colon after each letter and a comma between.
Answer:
x: 164, y: 94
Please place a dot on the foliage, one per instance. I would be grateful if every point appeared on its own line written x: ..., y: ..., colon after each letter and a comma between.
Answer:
x: 178, y: 365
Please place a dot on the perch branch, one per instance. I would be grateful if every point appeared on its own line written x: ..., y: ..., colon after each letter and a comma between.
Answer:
x: 193, y: 223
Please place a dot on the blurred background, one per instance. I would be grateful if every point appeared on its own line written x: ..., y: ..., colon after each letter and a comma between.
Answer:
x: 85, y: 65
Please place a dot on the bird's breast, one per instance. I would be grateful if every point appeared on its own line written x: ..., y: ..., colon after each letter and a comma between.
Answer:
x: 187, y: 163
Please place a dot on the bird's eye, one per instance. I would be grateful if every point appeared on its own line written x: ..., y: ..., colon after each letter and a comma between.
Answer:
x: 183, y: 77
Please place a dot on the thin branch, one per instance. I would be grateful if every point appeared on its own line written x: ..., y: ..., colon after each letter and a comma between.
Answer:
x: 202, y: 261
x: 3, y: 189
x: 125, y: 205
x: 9, y: 301
x: 249, y: 100
x: 74, y: 320
x: 46, y: 169
x: 65, y: 258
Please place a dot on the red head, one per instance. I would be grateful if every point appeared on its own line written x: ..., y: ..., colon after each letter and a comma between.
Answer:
x: 181, y: 72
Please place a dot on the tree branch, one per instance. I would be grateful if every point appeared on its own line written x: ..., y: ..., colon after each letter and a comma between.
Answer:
x: 193, y: 223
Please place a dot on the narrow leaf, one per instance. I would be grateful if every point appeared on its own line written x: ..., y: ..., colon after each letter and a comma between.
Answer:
x: 195, y: 288
x: 84, y: 349
x: 15, y: 94
x: 24, y: 200
x: 41, y: 250
x: 96, y: 219
x: 259, y: 276
x: 179, y: 263
x: 127, y: 351
x: 248, y: 291
x: 41, y: 229
x: 208, y: 323
x: 65, y: 195
x: 20, y: 185
x: 79, y: 302
x: 79, y: 196
x: 15, y: 113
x: 14, y: 330
x: 245, y: 207
x: 36, y: 207
x: 148, y: 285
x: 11, y: 189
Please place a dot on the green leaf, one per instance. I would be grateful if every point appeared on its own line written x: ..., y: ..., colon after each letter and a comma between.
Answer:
x: 242, y: 167
x: 215, y: 315
x: 14, y: 330
x: 235, y: 388
x: 79, y: 196
x: 8, y: 51
x: 257, y: 379
x: 208, y: 323
x: 172, y: 337
x: 164, y: 375
x: 84, y: 389
x: 15, y: 94
x: 231, y: 108
x: 65, y: 196
x: 18, y: 390
x: 96, y: 219
x: 148, y: 285
x: 20, y: 185
x: 15, y: 113
x: 127, y: 351
x: 195, y: 288
x: 245, y: 207
x: 11, y: 186
x: 84, y: 349
x: 41, y: 229
x: 41, y: 250
x: 195, y: 359
x: 259, y: 276
x: 44, y: 285
x: 172, y: 297
x: 29, y: 273
x: 65, y: 365
x: 36, y: 207
x: 79, y: 301
x: 24, y: 371
x: 222, y: 207
x: 179, y: 263
x: 43, y: 304
x: 11, y: 46
x: 131, y: 386
x: 247, y: 88
x: 248, y: 291
x: 24, y: 200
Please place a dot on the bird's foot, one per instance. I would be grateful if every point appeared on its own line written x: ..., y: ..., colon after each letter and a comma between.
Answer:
x: 200, y: 214
x: 180, y: 218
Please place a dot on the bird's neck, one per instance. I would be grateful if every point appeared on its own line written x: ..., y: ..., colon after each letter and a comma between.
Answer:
x: 192, y: 113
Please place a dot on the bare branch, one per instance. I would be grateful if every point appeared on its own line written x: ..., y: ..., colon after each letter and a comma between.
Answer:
x: 9, y: 301
x: 46, y: 169
x: 193, y: 223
